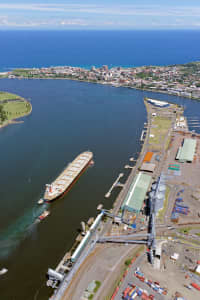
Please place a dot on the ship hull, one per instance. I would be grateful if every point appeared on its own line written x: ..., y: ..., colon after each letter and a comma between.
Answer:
x: 70, y: 186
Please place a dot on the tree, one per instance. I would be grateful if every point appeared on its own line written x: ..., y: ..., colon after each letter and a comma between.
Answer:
x: 3, y: 115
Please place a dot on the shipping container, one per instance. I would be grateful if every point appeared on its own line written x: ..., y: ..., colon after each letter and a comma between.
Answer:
x: 155, y: 288
x: 133, y: 225
x: 174, y: 165
x: 139, y: 273
x: 139, y: 292
x: 173, y: 168
x: 132, y: 291
x: 182, y: 206
x: 144, y: 296
x: 195, y: 285
x: 126, y: 291
x: 149, y: 282
x: 115, y: 293
x: 142, y: 279
x: 134, y: 295
x: 180, y: 199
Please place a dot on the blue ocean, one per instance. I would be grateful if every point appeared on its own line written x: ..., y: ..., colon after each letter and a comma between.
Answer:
x: 86, y: 48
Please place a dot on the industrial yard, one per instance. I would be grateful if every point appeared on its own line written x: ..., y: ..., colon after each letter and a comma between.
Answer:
x: 157, y: 209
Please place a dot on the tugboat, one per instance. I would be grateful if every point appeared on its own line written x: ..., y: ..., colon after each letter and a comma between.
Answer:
x: 41, y: 201
x: 44, y: 215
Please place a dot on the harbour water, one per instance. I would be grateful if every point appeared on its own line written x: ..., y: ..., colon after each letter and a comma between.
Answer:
x: 68, y: 117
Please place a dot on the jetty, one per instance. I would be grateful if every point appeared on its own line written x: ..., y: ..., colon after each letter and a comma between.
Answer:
x: 107, y: 195
x: 143, y: 135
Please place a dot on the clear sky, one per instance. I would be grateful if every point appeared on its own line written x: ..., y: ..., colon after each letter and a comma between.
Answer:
x: 100, y: 14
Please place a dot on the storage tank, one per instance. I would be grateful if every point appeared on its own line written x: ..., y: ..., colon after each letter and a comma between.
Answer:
x: 160, y: 196
x: 162, y: 188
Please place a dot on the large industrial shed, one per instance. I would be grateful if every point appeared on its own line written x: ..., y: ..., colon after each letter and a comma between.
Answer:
x: 137, y: 192
x: 158, y: 103
x: 186, y: 151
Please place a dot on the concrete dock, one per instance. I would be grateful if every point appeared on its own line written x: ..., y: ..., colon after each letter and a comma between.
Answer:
x: 107, y: 195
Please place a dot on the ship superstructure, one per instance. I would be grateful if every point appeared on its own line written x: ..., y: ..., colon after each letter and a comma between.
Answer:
x: 66, y: 179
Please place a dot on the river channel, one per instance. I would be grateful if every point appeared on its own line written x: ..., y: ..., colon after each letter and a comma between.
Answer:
x: 68, y: 118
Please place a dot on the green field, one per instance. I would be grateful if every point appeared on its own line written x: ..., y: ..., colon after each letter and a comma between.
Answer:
x: 160, y: 127
x: 12, y: 107
x: 7, y: 96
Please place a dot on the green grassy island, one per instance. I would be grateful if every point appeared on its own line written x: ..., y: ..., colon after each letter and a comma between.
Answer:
x: 12, y: 107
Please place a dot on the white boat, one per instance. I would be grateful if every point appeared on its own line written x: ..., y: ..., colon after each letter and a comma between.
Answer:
x: 44, y: 215
x: 3, y: 271
x: 41, y: 201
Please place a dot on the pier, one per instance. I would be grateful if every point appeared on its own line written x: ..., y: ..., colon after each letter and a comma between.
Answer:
x: 107, y: 195
x: 132, y: 159
x: 128, y: 167
x: 143, y: 135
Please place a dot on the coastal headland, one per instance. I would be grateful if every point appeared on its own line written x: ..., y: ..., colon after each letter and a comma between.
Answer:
x: 180, y: 80
x: 12, y: 107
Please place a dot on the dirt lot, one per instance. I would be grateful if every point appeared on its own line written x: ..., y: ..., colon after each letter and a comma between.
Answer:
x: 103, y: 265
x: 172, y: 274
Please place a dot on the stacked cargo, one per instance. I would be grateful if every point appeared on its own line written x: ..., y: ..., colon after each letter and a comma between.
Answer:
x: 178, y: 200
x: 174, y: 217
x: 154, y: 285
x: 125, y: 292
x: 132, y: 292
x: 181, y: 209
x: 174, y: 167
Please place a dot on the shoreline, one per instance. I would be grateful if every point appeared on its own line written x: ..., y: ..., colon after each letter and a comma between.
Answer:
x: 15, y: 121
x: 114, y: 208
x: 66, y: 287
x: 180, y: 80
x: 108, y: 84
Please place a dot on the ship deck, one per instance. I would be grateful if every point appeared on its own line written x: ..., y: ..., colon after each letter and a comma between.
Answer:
x: 67, y: 176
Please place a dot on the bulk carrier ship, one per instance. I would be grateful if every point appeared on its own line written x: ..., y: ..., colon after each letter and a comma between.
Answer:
x: 67, y: 178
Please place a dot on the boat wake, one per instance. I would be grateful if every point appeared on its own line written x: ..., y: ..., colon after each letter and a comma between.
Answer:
x: 18, y: 231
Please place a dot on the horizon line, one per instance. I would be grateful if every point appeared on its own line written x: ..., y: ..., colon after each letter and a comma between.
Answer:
x: 98, y: 29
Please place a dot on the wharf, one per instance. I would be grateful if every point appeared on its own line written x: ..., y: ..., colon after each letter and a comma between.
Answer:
x: 116, y: 183
x: 107, y: 227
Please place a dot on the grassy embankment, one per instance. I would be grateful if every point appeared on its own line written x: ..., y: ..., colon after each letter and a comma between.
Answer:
x: 161, y: 213
x: 159, y: 129
x: 12, y: 107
